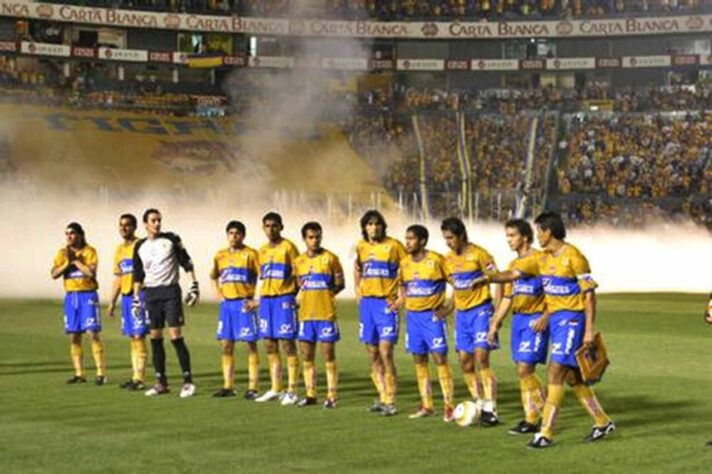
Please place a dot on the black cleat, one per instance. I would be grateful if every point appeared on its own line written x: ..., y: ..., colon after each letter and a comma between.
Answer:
x: 307, y: 401
x: 224, y: 393
x: 376, y: 407
x: 523, y: 428
x: 100, y: 380
x: 250, y: 394
x: 489, y: 419
x: 137, y: 385
x: 540, y: 442
x: 600, y: 432
x: 76, y: 379
x: 126, y: 384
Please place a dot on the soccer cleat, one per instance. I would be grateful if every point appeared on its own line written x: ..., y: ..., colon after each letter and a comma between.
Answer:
x: 330, y: 403
x: 489, y: 419
x: 540, y: 442
x: 269, y: 395
x: 188, y: 390
x: 307, y: 401
x: 100, y: 380
x: 376, y: 407
x: 600, y: 432
x: 224, y: 393
x: 421, y: 413
x: 523, y: 428
x: 449, y: 414
x: 76, y: 379
x: 289, y: 399
x: 158, y: 389
x: 389, y: 409
x: 250, y: 394
x: 126, y: 384
x: 137, y: 385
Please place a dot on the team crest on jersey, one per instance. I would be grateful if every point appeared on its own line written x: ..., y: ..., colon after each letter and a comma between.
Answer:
x: 325, y: 260
x: 387, y: 247
x: 430, y: 264
x: 565, y: 261
x: 470, y: 258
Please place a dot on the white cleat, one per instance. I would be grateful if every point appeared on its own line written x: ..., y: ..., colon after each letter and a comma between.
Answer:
x: 268, y: 396
x: 289, y: 399
x: 188, y: 390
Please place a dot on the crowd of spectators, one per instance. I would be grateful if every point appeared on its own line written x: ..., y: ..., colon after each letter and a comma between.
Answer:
x: 404, y: 10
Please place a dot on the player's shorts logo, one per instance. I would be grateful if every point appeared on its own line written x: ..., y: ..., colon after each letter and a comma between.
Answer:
x: 285, y: 328
x: 245, y: 332
x: 387, y: 331
x: 525, y: 346
x: 286, y: 305
x: 570, y: 341
x: 263, y: 324
x: 480, y: 337
x: 438, y: 341
x: 327, y: 331
x: 556, y: 348
x: 360, y: 328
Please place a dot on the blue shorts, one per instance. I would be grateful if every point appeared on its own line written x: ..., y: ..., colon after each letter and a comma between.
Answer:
x: 236, y: 324
x: 471, y: 328
x: 425, y: 333
x: 131, y: 326
x: 528, y: 346
x: 567, y: 329
x: 81, y: 312
x: 376, y: 322
x: 278, y: 317
x: 319, y: 331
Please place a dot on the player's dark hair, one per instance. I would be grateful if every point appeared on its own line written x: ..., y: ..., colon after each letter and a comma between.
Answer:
x: 372, y: 214
x: 456, y: 226
x: 77, y: 229
x: 522, y: 226
x: 236, y: 225
x: 553, y: 222
x: 148, y: 212
x: 419, y: 231
x: 311, y: 225
x: 131, y: 218
x: 274, y: 217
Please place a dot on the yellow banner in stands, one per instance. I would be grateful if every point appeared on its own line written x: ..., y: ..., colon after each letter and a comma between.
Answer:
x: 67, y: 149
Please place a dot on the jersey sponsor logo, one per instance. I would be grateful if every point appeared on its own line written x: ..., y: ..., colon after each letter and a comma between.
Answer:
x: 315, y: 284
x: 126, y: 266
x: 560, y: 286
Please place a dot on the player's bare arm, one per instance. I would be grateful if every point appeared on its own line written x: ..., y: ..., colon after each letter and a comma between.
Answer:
x: 502, y: 310
x: 115, y: 291
x: 357, y: 280
x: 589, y: 301
x: 58, y: 270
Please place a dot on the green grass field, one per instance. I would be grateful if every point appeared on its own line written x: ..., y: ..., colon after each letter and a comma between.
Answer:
x: 656, y: 390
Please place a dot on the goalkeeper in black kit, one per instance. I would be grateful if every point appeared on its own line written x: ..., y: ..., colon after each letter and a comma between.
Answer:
x: 155, y: 270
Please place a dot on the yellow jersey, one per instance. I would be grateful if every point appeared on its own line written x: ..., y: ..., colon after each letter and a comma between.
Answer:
x: 318, y: 278
x: 378, y: 265
x: 236, y: 272
x: 564, y: 277
x: 74, y: 279
x: 463, y: 269
x: 277, y: 268
x: 424, y: 281
x: 527, y: 292
x: 123, y: 266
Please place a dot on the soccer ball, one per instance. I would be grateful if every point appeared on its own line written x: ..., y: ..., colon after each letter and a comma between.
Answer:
x: 467, y: 414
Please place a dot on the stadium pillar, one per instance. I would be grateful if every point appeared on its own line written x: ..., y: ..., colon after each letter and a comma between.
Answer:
x: 120, y: 72
x: 175, y: 75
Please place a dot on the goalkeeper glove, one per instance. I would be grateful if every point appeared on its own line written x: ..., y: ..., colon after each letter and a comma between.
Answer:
x: 708, y: 313
x: 136, y: 307
x: 191, y: 299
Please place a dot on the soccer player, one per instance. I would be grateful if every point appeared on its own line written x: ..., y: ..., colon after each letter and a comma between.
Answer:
x: 277, y: 314
x: 423, y: 277
x: 76, y: 263
x: 156, y: 260
x: 474, y: 309
x: 376, y: 285
x: 571, y: 303
x: 134, y: 328
x: 320, y: 278
x: 530, y: 325
x: 234, y: 276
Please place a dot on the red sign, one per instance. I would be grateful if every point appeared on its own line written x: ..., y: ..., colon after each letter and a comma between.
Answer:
x: 160, y: 57
x: 80, y: 52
